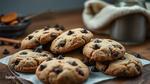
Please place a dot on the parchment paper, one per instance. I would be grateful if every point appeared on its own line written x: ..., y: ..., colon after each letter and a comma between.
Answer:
x: 93, y: 78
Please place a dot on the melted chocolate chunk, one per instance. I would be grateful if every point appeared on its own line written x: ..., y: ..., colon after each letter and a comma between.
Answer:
x: 94, y: 69
x: 42, y: 67
x: 97, y: 41
x: 70, y: 32
x: 80, y: 72
x: 17, y: 62
x: 96, y: 46
x: 6, y: 52
x: 30, y: 37
x: 73, y: 63
x: 53, y: 34
x: 62, y: 43
x: 84, y: 31
x: 57, y: 69
x: 23, y: 53
x: 114, y: 54
x: 60, y: 57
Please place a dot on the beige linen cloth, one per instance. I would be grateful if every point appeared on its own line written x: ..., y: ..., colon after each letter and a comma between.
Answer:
x: 98, y: 16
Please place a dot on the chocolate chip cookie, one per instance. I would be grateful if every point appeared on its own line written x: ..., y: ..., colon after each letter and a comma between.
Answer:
x: 103, y: 50
x: 130, y: 66
x: 42, y: 36
x: 66, y: 70
x: 70, y: 40
x: 28, y: 60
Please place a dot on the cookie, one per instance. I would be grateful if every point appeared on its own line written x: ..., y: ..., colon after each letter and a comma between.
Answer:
x: 66, y: 70
x: 71, y: 40
x: 42, y: 36
x: 103, y: 50
x: 28, y: 60
x: 130, y: 66
x: 9, y: 17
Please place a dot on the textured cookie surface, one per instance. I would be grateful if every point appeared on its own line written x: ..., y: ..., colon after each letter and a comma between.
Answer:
x: 27, y: 60
x: 71, y: 40
x: 64, y: 70
x: 103, y: 50
x: 42, y: 36
x: 130, y: 66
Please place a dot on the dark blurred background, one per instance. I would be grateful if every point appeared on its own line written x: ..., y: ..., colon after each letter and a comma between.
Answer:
x: 26, y: 7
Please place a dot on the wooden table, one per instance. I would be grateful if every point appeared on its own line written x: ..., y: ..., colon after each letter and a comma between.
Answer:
x: 73, y: 19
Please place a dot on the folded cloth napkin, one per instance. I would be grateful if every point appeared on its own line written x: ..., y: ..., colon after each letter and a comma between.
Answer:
x: 98, y: 16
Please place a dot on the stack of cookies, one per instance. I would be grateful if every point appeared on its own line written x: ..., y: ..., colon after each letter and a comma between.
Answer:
x: 52, y: 67
x: 111, y: 58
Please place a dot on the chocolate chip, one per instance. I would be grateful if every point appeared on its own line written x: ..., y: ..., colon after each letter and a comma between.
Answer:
x: 96, y: 46
x: 97, y: 41
x: 57, y: 69
x: 80, y: 72
x: 59, y: 27
x: 60, y: 57
x: 42, y: 67
x: 17, y: 62
x: 62, y: 43
x: 94, y: 69
x: 16, y: 46
x: 114, y: 54
x: 23, y: 53
x: 6, y: 52
x: 46, y: 28
x: 73, y: 63
x: 30, y: 37
x: 53, y: 34
x: 84, y: 31
x: 70, y: 32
